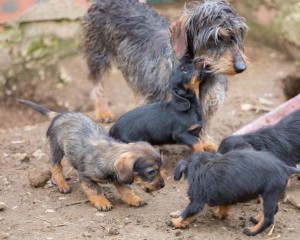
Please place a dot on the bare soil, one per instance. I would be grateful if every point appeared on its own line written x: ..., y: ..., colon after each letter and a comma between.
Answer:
x: 44, y: 213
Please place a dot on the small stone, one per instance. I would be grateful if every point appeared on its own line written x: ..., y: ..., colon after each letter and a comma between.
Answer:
x: 86, y: 234
x: 2, y: 206
x: 99, y: 214
x: 38, y: 178
x: 177, y: 233
x: 22, y: 157
x: 175, y: 214
x: 38, y: 154
x: 49, y: 211
x: 246, y: 107
x: 112, y: 231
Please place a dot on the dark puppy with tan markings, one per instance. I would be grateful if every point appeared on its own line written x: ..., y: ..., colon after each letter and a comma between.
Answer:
x: 176, y: 121
x: 282, y: 139
x: 238, y: 176
x: 99, y: 158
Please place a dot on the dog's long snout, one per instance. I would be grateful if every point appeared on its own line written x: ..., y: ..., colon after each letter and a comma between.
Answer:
x: 239, y: 64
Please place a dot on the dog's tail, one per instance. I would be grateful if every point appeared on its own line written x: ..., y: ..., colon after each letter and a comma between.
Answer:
x: 181, y: 168
x: 44, y: 111
x: 294, y: 170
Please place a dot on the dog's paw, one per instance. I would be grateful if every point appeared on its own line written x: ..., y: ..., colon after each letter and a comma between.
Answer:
x: 136, y: 201
x: 104, y: 206
x: 104, y: 116
x: 177, y: 223
x: 248, y: 232
x: 64, y: 188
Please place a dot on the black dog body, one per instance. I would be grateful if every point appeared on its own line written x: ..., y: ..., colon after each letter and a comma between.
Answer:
x: 176, y: 121
x: 238, y: 176
x: 282, y: 139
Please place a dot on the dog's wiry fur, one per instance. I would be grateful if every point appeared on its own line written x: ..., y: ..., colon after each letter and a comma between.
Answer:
x: 282, y: 139
x: 145, y: 47
x: 238, y: 176
x: 99, y: 158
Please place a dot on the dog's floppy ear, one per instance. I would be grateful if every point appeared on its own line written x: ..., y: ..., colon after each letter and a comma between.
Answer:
x: 180, y: 103
x: 178, y: 37
x: 181, y: 168
x: 124, y: 168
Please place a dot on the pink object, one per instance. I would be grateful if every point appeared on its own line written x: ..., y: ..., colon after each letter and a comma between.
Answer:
x: 272, y: 117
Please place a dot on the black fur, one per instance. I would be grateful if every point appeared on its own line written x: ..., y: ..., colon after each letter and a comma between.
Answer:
x: 238, y: 176
x: 282, y: 139
x: 165, y: 122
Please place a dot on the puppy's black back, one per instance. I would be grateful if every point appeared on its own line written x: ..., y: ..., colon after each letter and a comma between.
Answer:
x: 234, y: 177
x: 160, y: 123
x: 282, y: 139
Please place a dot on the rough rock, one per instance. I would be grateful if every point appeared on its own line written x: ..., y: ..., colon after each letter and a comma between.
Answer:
x: 38, y: 178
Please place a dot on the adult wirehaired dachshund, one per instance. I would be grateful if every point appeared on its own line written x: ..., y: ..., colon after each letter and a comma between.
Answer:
x: 98, y: 158
x: 145, y: 47
x: 237, y: 176
x: 178, y: 120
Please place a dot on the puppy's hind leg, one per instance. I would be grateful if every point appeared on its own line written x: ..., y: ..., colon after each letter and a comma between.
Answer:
x: 95, y: 195
x: 56, y: 170
x: 128, y: 196
x: 270, y: 205
x: 187, y: 216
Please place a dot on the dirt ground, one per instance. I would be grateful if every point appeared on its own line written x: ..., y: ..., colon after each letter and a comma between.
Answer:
x: 44, y: 213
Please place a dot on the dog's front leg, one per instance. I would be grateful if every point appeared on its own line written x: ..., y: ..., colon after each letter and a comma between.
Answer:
x: 95, y: 195
x: 128, y: 196
x: 190, y: 140
x: 187, y: 216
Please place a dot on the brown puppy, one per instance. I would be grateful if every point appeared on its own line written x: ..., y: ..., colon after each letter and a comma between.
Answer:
x: 99, y: 158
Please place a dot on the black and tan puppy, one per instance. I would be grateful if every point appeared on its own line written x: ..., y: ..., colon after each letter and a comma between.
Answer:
x: 99, y: 158
x: 176, y: 121
x: 238, y: 176
x: 282, y: 139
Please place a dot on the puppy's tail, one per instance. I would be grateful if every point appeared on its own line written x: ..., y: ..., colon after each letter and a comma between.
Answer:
x: 38, y: 108
x: 181, y: 168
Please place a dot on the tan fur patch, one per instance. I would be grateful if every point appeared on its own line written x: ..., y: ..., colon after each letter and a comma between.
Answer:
x: 128, y: 196
x: 255, y: 228
x: 181, y: 223
x: 198, y: 146
x: 99, y: 201
x: 193, y: 85
x: 61, y: 183
x: 222, y: 212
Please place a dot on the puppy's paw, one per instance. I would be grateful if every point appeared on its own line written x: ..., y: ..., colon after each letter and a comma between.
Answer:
x: 104, y: 116
x: 64, y: 188
x: 177, y: 223
x: 248, y: 232
x: 103, y: 206
x: 209, y: 146
x: 135, y: 201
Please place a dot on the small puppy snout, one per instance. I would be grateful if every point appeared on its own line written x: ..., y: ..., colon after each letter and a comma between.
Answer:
x: 162, y: 184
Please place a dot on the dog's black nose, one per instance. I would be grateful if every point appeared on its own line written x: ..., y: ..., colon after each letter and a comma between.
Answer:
x: 239, y: 66
x: 162, y: 184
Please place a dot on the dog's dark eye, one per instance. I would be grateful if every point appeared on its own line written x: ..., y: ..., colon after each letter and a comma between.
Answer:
x: 183, y: 69
x: 151, y: 172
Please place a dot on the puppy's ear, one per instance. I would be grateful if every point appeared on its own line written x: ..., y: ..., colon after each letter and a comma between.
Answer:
x: 124, y: 168
x: 178, y: 37
x: 181, y: 168
x: 180, y: 103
